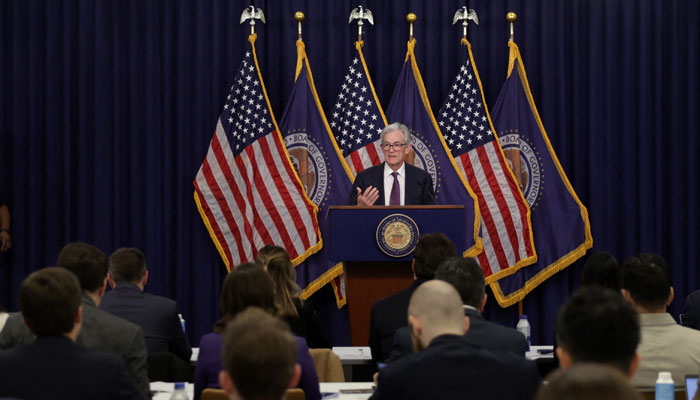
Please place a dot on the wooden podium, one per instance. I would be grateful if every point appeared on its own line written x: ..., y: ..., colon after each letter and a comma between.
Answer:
x: 371, y: 274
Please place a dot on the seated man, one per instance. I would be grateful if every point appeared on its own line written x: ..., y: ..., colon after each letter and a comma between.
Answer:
x: 100, y: 329
x: 389, y: 314
x: 156, y: 315
x: 447, y: 366
x: 53, y: 366
x: 596, y: 325
x: 259, y: 357
x: 691, y: 311
x: 465, y: 275
x: 665, y: 345
x: 393, y: 182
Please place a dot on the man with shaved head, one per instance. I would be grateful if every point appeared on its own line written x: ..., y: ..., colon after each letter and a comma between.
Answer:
x: 446, y: 365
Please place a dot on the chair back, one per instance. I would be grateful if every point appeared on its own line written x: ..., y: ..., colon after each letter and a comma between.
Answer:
x: 328, y: 366
x: 293, y: 394
x: 214, y: 394
x: 167, y: 367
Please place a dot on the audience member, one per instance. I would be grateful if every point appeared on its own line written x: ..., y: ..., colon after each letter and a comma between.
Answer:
x: 587, y: 382
x: 596, y: 325
x: 602, y: 269
x: 156, y: 315
x: 691, y: 311
x: 100, y: 329
x: 447, y: 365
x: 665, y: 345
x: 5, y: 237
x: 259, y: 357
x: 53, y: 366
x: 465, y: 275
x: 246, y: 286
x: 389, y: 314
x: 299, y: 314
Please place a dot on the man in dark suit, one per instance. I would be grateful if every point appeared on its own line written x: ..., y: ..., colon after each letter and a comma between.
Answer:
x: 389, y: 314
x: 156, y: 315
x: 53, y: 366
x: 465, y: 275
x: 447, y: 366
x: 100, y: 329
x: 393, y: 182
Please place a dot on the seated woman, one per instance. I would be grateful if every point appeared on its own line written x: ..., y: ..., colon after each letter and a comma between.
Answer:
x: 247, y: 285
x: 299, y: 314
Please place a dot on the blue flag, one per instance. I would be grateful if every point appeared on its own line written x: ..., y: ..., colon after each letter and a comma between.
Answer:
x: 560, y: 224
x: 319, y: 164
x: 409, y: 105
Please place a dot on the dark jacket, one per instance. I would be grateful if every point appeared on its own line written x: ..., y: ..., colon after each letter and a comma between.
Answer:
x: 156, y: 315
x: 418, y: 190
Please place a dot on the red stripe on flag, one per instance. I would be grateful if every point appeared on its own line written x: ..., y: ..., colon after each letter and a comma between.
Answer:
x: 223, y: 207
x: 299, y: 227
x: 498, y: 196
x: 373, y: 155
x: 486, y: 217
x: 356, y: 161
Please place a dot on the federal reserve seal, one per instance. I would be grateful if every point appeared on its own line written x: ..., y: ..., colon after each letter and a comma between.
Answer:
x: 310, y: 164
x: 397, y: 235
x: 526, y: 168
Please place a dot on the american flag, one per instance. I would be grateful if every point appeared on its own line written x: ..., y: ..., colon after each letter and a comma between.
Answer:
x: 505, y: 217
x: 357, y: 117
x: 246, y: 189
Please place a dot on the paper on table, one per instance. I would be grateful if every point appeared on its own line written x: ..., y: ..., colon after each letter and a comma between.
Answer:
x: 353, y: 352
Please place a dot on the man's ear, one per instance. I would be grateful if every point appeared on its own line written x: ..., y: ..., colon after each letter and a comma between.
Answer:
x: 634, y: 365
x: 415, y: 325
x: 670, y: 297
x: 564, y: 357
x: 144, y: 280
x: 111, y: 281
x: 79, y: 315
x: 483, y: 302
x: 626, y: 294
x: 103, y: 288
x: 295, y: 377
x: 226, y: 382
x: 466, y: 324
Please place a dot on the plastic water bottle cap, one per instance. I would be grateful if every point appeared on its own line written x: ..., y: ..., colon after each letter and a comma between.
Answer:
x: 665, y: 375
x: 523, y: 316
x: 179, y: 385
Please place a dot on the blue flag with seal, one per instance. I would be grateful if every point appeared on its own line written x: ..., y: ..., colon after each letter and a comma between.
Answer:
x: 409, y: 105
x: 320, y: 165
x: 560, y: 225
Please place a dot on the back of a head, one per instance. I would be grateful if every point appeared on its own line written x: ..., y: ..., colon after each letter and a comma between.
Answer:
x: 431, y: 250
x: 87, y: 262
x: 439, y: 308
x: 49, y: 301
x: 646, y: 279
x: 587, y: 382
x: 259, y: 354
x: 598, y: 325
x: 276, y: 262
x: 127, y: 264
x: 602, y: 269
x: 466, y: 276
x: 248, y: 285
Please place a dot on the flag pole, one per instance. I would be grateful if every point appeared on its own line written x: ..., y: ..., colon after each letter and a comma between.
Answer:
x: 360, y: 14
x: 511, y: 17
x: 410, y: 18
x: 299, y: 17
x: 464, y: 15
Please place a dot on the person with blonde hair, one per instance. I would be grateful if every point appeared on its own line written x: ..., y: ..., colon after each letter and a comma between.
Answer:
x: 299, y: 314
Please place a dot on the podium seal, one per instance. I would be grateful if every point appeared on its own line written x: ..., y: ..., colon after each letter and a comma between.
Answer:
x: 397, y: 235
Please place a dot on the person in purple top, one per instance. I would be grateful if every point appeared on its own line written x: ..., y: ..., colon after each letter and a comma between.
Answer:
x: 246, y: 286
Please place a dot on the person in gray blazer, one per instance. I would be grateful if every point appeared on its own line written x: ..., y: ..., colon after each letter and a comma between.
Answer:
x: 100, y: 329
x: 465, y: 275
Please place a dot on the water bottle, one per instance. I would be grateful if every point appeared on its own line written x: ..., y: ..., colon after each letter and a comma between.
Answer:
x: 524, y: 328
x: 179, y: 393
x: 664, y: 386
x: 182, y: 322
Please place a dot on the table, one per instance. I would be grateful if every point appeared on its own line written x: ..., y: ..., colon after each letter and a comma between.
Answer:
x: 163, y: 390
x: 331, y: 390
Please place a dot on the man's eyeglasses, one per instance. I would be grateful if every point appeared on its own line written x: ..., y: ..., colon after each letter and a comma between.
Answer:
x: 394, y: 146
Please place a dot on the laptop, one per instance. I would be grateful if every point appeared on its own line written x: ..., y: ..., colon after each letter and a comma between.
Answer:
x: 691, y: 385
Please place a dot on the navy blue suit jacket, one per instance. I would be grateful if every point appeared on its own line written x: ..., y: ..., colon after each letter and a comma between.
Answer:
x: 418, y: 190
x: 481, y: 333
x: 53, y: 367
x: 452, y: 368
x: 156, y: 315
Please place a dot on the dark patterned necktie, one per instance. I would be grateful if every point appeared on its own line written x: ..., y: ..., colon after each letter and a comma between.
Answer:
x: 395, y: 198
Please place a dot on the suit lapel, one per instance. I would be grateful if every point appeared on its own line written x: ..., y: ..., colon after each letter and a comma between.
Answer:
x: 409, y: 187
x: 380, y: 184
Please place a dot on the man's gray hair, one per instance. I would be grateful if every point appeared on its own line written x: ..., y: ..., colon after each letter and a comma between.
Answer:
x: 397, y: 126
